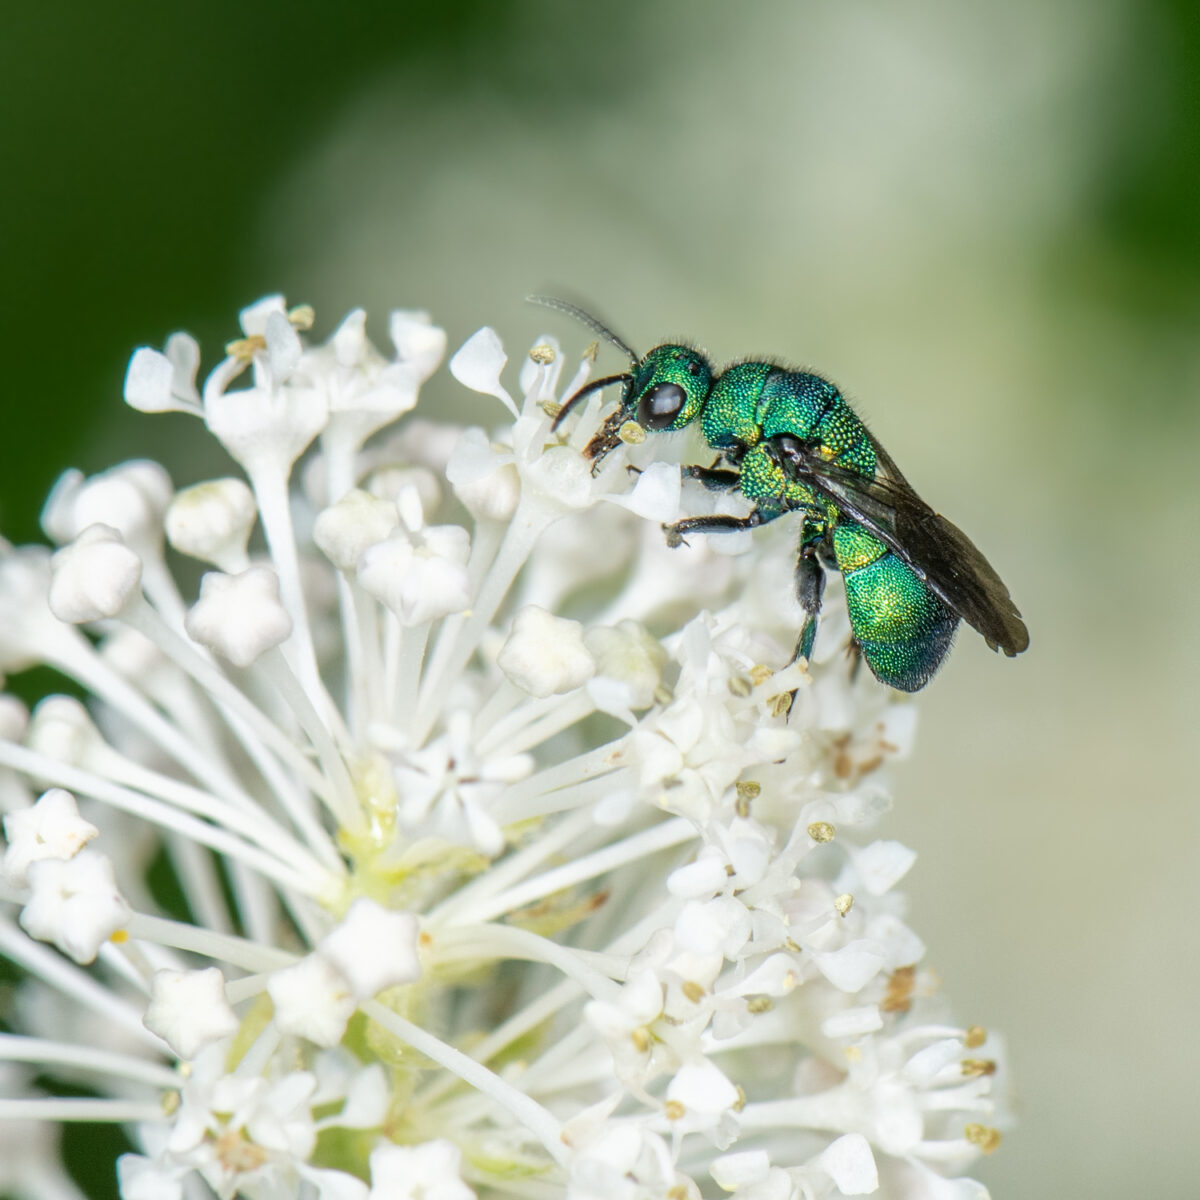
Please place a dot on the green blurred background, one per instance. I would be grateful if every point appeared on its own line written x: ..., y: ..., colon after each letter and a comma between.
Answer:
x: 983, y: 221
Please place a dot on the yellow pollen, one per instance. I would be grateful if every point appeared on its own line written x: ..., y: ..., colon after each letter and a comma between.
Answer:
x: 853, y: 1053
x: 542, y: 354
x: 678, y: 1192
x: 843, y: 903
x: 760, y: 674
x: 119, y: 937
x: 747, y: 792
x: 974, y: 1037
x: 983, y: 1136
x: 631, y: 433
x: 302, y: 316
x: 424, y: 939
x: 692, y: 990
x: 641, y: 1040
x: 759, y: 1004
x: 673, y: 1110
x: 821, y: 831
x: 978, y: 1066
x: 740, y: 1102
x: 740, y: 687
x: 237, y: 1154
x: 901, y: 983
x: 779, y: 705
x: 246, y: 348
x: 169, y: 1102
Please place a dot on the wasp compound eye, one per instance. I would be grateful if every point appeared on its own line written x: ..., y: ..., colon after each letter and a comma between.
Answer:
x: 660, y: 405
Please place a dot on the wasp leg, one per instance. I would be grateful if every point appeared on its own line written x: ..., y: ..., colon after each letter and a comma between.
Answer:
x: 606, y: 439
x: 714, y: 478
x: 810, y: 586
x: 714, y: 524
x: 855, y: 655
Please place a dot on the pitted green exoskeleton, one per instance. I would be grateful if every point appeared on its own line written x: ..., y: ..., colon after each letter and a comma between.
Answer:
x: 789, y: 442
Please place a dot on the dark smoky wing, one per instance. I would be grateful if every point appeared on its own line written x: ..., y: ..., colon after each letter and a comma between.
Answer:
x: 941, y: 554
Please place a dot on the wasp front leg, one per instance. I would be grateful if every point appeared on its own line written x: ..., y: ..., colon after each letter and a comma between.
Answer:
x: 606, y: 439
x: 718, y: 523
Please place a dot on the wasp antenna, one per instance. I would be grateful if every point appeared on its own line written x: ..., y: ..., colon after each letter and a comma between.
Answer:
x: 587, y: 390
x: 585, y: 318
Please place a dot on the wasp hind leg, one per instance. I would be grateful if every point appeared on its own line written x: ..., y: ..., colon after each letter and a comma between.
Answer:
x: 810, y: 586
x: 854, y: 655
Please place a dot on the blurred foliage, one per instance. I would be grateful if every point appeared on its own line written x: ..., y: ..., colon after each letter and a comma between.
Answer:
x: 137, y: 141
x: 1148, y: 203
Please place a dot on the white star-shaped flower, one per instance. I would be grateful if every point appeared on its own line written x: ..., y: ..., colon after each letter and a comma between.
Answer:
x: 75, y: 904
x: 419, y: 572
x: 312, y: 1000
x: 431, y: 1171
x: 51, y: 828
x: 188, y: 1010
x: 239, y: 616
x: 374, y: 948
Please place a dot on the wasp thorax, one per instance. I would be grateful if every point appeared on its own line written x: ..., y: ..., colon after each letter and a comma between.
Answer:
x: 670, y: 387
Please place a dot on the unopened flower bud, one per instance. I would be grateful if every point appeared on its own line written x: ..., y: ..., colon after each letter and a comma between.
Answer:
x: 212, y: 522
x: 545, y: 655
x: 94, y: 577
x: 239, y: 616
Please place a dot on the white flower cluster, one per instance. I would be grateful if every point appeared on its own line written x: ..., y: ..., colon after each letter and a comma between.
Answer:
x: 458, y: 836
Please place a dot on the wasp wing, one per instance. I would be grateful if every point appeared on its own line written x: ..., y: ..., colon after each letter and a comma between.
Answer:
x: 942, y: 555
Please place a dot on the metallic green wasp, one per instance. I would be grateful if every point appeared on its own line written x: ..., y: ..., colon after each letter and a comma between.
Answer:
x: 789, y: 442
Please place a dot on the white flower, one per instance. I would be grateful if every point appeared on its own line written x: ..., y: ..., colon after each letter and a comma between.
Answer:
x: 312, y: 1000
x: 94, y: 577
x: 459, y: 835
x: 74, y: 903
x: 188, y: 1010
x: 212, y: 522
x: 427, y: 1172
x: 479, y: 363
x: 51, y: 828
x: 851, y: 1165
x: 165, y: 382
x: 347, y: 529
x: 239, y: 616
x: 544, y: 654
x: 373, y: 948
x: 420, y: 574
